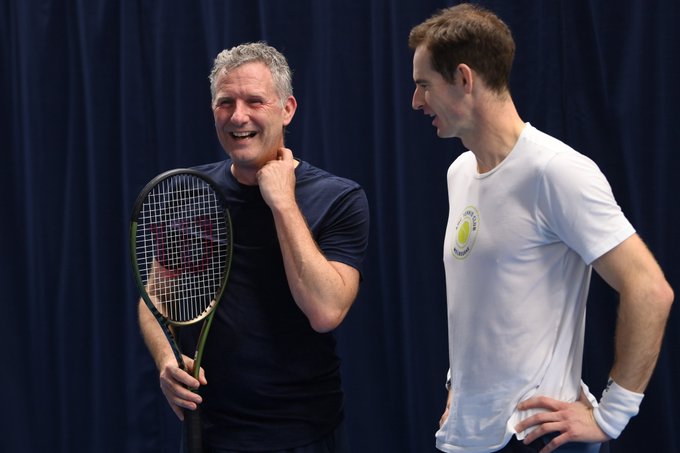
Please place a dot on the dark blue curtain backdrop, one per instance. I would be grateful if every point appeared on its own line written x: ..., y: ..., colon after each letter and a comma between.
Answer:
x: 98, y: 96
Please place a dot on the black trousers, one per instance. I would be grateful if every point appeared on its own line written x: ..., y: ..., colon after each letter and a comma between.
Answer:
x: 517, y: 446
x: 335, y: 442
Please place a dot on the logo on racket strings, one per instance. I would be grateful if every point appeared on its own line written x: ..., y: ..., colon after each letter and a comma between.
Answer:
x: 183, y: 246
x: 465, y: 234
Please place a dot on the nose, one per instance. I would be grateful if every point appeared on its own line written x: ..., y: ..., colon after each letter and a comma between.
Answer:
x: 417, y: 100
x: 240, y: 114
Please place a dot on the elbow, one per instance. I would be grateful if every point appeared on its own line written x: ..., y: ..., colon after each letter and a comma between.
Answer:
x: 327, y: 321
x: 666, y: 295
x: 662, y: 296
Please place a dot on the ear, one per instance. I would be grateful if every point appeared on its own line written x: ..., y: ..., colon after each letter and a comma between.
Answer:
x: 289, y: 108
x: 466, y: 77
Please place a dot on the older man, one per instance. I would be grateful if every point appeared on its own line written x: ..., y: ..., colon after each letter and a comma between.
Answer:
x: 271, y: 379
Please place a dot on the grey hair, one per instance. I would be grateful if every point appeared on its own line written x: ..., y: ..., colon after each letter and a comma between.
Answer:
x: 230, y: 59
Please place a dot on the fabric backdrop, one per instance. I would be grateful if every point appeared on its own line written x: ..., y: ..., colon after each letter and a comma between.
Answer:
x: 98, y: 96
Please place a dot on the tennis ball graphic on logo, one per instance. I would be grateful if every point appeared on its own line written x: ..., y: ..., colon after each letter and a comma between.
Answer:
x: 464, y: 232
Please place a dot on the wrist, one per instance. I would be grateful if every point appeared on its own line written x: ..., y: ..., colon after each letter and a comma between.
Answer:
x: 616, y: 407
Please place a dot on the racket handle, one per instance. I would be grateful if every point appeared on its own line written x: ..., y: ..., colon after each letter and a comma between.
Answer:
x: 193, y: 431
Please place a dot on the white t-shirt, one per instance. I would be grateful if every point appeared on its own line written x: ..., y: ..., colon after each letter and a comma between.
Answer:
x: 517, y: 252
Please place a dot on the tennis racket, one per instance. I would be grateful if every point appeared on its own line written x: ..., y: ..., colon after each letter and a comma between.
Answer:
x: 181, y: 248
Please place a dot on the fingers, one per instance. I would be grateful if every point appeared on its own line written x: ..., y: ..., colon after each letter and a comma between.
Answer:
x: 541, y: 430
x: 283, y: 164
x: 277, y: 180
x: 201, y: 377
x: 550, y: 408
x: 564, y: 429
x: 284, y: 154
x: 178, y: 411
x: 443, y: 418
x: 573, y: 422
x: 195, y: 383
x: 445, y: 415
x: 554, y: 444
x: 175, y: 384
x: 545, y: 422
x: 541, y: 402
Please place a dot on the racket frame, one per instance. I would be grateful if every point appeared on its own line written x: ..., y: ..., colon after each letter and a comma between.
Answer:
x: 210, y: 310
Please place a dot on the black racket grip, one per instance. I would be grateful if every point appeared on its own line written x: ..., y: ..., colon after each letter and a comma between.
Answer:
x: 193, y: 431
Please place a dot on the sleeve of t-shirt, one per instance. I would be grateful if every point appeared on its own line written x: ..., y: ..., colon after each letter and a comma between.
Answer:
x: 344, y: 237
x: 577, y: 206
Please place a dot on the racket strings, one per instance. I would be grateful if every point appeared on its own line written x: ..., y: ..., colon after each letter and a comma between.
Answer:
x: 182, y: 237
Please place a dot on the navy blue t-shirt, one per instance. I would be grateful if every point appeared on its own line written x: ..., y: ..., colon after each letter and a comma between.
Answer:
x: 273, y: 382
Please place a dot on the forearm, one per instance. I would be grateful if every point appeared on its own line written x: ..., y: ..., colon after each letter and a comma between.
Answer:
x: 175, y: 384
x: 153, y: 336
x: 638, y: 341
x: 645, y: 299
x: 323, y: 290
x: 642, y: 318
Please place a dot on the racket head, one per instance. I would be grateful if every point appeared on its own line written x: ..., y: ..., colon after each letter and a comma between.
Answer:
x: 181, y: 245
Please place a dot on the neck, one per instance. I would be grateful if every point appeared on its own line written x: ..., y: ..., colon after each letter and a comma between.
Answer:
x: 245, y: 176
x: 498, y: 127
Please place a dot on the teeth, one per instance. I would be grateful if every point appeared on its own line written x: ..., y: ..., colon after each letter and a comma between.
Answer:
x: 242, y: 134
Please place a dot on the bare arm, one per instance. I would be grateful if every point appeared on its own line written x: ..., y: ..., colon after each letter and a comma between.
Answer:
x: 324, y: 290
x: 173, y: 380
x: 645, y: 301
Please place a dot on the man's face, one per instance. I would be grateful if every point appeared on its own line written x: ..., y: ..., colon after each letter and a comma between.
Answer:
x: 436, y: 97
x: 249, y: 115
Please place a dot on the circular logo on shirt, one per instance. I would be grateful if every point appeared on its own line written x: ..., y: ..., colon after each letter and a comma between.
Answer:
x: 465, y: 235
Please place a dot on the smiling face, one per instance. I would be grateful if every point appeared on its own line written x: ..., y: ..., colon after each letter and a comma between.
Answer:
x: 441, y: 100
x: 249, y: 115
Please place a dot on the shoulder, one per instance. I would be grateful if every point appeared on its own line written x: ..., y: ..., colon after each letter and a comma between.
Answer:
x: 572, y: 169
x: 321, y: 194
x: 552, y: 159
x: 217, y: 171
x: 464, y: 162
x: 310, y: 177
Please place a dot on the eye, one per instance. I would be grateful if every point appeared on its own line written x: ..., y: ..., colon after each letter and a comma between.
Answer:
x: 421, y: 86
x: 224, y: 102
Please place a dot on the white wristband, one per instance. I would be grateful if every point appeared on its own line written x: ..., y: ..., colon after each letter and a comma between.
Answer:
x: 617, y: 406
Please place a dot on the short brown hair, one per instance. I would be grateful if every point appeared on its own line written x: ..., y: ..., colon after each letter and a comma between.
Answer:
x: 468, y: 34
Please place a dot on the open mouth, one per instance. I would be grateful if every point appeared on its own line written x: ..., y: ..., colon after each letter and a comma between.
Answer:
x: 242, y: 135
